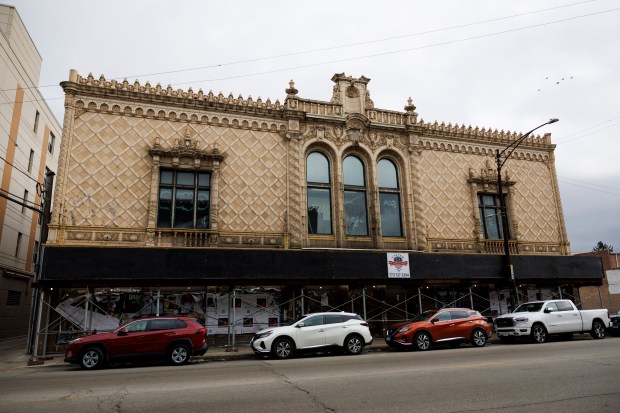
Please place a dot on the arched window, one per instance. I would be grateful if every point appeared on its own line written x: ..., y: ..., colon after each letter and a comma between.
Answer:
x: 355, y: 211
x: 389, y: 199
x: 319, y: 194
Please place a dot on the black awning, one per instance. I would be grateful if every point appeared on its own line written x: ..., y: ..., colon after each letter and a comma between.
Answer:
x: 81, y: 266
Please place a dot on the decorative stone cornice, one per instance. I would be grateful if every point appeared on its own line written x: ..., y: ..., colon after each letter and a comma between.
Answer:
x: 88, y: 90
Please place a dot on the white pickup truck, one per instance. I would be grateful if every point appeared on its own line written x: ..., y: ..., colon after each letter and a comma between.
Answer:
x: 539, y: 319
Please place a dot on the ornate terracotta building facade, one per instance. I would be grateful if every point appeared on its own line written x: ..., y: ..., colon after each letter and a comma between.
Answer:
x: 161, y: 187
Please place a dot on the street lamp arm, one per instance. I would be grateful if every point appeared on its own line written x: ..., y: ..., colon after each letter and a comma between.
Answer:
x: 502, y: 202
x: 517, y: 142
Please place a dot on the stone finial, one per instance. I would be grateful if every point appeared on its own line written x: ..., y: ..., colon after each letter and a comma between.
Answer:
x: 291, y: 91
x: 410, y: 107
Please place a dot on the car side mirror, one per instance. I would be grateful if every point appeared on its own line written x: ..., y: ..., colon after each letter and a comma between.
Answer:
x: 300, y: 325
x: 122, y: 332
x: 548, y: 310
x: 434, y: 320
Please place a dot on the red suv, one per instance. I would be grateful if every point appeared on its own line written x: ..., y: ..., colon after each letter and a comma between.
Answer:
x: 175, y: 338
x: 449, y: 325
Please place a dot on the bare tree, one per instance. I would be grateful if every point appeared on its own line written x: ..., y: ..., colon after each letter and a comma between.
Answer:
x: 602, y: 247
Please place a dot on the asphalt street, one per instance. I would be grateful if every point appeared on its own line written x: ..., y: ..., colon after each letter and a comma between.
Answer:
x: 569, y: 376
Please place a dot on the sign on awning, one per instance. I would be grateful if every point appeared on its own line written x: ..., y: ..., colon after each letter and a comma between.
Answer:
x: 398, y: 265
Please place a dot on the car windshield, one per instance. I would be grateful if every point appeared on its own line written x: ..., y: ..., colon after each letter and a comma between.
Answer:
x: 528, y: 308
x: 423, y: 316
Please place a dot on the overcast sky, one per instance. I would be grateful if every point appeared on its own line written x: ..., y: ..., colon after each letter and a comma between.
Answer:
x: 508, y: 65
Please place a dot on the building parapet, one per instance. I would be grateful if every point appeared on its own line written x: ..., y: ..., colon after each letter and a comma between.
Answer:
x: 335, y: 109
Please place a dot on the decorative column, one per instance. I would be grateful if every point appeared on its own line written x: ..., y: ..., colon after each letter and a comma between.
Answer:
x: 152, y: 206
x: 415, y: 198
x: 293, y: 218
x: 58, y: 217
x: 564, y: 244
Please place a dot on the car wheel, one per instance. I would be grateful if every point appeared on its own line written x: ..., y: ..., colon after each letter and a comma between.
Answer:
x: 479, y: 338
x: 283, y: 348
x: 92, y: 359
x: 179, y: 354
x: 508, y: 340
x: 598, y: 330
x: 539, y: 333
x: 423, y: 341
x: 353, y: 344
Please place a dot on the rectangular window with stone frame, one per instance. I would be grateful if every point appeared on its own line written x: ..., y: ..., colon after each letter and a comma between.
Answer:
x: 491, y: 216
x: 184, y: 199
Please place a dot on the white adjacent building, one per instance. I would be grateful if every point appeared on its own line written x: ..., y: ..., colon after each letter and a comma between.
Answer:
x: 29, y: 147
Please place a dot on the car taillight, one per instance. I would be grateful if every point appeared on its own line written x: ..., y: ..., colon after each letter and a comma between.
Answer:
x: 364, y: 324
x: 201, y: 331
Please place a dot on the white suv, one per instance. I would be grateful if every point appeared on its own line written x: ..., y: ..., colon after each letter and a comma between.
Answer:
x: 314, y: 332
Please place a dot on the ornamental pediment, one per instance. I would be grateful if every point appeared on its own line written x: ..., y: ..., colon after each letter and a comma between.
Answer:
x: 184, y: 149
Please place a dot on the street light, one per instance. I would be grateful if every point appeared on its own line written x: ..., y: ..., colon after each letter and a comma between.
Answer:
x: 502, y: 202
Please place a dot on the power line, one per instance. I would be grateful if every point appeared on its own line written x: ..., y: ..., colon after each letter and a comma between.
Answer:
x: 19, y: 202
x: 347, y: 45
x: 448, y: 42
x: 17, y: 196
x: 591, y: 189
x: 561, y: 142
x: 16, y: 168
x: 590, y: 183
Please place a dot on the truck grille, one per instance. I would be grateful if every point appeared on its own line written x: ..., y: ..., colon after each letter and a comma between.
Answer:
x: 504, y: 322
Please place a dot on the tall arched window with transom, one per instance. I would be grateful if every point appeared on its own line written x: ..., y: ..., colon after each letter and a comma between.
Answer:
x: 355, y: 209
x: 319, y: 194
x: 389, y: 199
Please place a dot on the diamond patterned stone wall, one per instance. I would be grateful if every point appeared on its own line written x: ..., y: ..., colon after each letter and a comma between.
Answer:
x: 109, y: 182
x: 447, y: 200
x: 253, y: 181
x: 446, y: 195
x: 534, y: 203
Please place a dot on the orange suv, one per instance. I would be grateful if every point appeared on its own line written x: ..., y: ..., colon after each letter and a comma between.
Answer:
x: 449, y: 325
x: 174, y: 338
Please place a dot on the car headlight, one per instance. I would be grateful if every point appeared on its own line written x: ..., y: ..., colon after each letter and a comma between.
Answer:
x: 265, y: 334
x: 521, y: 320
x: 403, y: 329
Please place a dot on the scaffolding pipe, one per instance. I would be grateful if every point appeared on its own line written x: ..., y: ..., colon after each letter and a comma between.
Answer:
x: 560, y: 292
x: 471, y: 298
x: 303, y: 311
x: 364, y: 301
x: 157, y: 303
x: 600, y: 296
x: 234, y: 316
x: 86, y: 309
x: 47, y: 324
x: 35, y: 349
x: 420, y: 300
x: 229, y: 312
